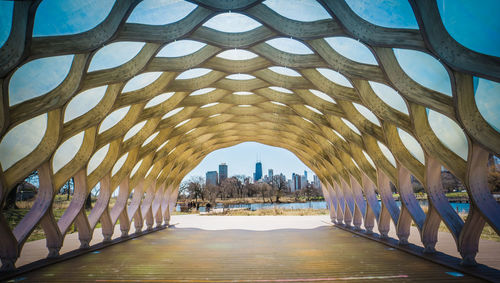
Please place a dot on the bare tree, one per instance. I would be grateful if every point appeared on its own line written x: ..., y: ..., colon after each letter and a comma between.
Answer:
x: 450, y: 182
x: 251, y: 189
x: 241, y: 184
x: 265, y: 190
x: 193, y: 188
x: 211, y: 193
x: 183, y: 190
x: 308, y: 192
x: 280, y: 186
x: 229, y: 187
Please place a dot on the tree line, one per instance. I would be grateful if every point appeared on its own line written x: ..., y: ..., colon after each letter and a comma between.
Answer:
x: 238, y: 187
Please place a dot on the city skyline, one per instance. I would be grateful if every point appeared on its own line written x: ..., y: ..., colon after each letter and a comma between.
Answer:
x: 296, y: 183
x: 241, y: 160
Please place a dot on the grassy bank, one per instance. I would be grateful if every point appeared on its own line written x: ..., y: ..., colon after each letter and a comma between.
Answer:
x: 487, y: 234
x: 14, y: 216
x: 59, y: 206
x: 273, y: 211
x: 292, y: 199
x: 423, y: 196
x: 250, y: 200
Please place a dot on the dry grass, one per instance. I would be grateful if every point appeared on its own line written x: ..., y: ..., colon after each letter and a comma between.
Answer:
x: 249, y: 200
x: 193, y: 211
x: 273, y: 211
x: 14, y: 216
x: 59, y: 206
x: 487, y: 234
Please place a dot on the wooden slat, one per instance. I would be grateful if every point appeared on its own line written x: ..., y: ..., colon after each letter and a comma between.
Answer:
x: 195, y: 255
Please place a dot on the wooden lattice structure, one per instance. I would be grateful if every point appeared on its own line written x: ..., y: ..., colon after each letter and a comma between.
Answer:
x: 352, y: 167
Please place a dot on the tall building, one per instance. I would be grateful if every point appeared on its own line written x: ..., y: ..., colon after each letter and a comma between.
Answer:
x: 305, y: 174
x: 303, y: 181
x: 258, y: 172
x: 316, y: 182
x: 283, y: 177
x: 211, y: 178
x: 222, y: 172
x: 296, y: 182
x: 270, y: 174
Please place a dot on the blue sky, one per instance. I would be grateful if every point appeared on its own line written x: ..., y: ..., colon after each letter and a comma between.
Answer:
x: 472, y: 23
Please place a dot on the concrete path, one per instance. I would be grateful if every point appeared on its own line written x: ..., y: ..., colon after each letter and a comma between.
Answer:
x: 253, y: 223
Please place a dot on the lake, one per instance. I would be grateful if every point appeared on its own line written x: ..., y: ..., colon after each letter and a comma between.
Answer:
x: 458, y: 207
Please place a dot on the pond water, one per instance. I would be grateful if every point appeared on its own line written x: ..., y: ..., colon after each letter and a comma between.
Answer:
x: 458, y: 207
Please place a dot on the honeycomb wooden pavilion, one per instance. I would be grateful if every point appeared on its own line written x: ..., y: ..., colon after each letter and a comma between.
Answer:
x: 144, y: 123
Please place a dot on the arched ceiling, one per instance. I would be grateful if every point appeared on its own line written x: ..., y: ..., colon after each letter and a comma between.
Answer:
x: 150, y: 100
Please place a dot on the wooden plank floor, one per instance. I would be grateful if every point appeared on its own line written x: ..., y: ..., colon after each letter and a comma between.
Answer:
x: 286, y: 255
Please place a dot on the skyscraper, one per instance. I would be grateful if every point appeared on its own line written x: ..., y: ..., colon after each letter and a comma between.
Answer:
x: 222, y: 172
x: 258, y: 172
x: 305, y: 174
x: 211, y: 178
x: 270, y: 173
x: 316, y: 182
x: 296, y: 182
x: 303, y: 181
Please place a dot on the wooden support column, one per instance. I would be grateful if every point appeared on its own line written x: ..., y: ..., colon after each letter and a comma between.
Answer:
x: 146, y: 209
x: 349, y: 201
x: 157, y: 205
x: 483, y: 207
x: 410, y: 208
x: 340, y: 204
x: 439, y: 207
x: 119, y: 211
x: 165, y: 205
x: 372, y: 213
x: 134, y: 209
x: 75, y: 213
x: 330, y: 200
x: 41, y: 213
x: 390, y: 210
x: 101, y: 212
x: 360, y: 209
x: 8, y: 242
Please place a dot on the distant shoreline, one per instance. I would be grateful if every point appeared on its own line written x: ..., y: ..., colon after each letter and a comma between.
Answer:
x: 251, y: 200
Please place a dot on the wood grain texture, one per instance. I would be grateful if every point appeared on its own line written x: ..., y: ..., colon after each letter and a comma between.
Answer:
x: 195, y: 255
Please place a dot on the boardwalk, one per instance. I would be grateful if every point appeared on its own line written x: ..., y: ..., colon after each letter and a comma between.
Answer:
x: 261, y: 253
